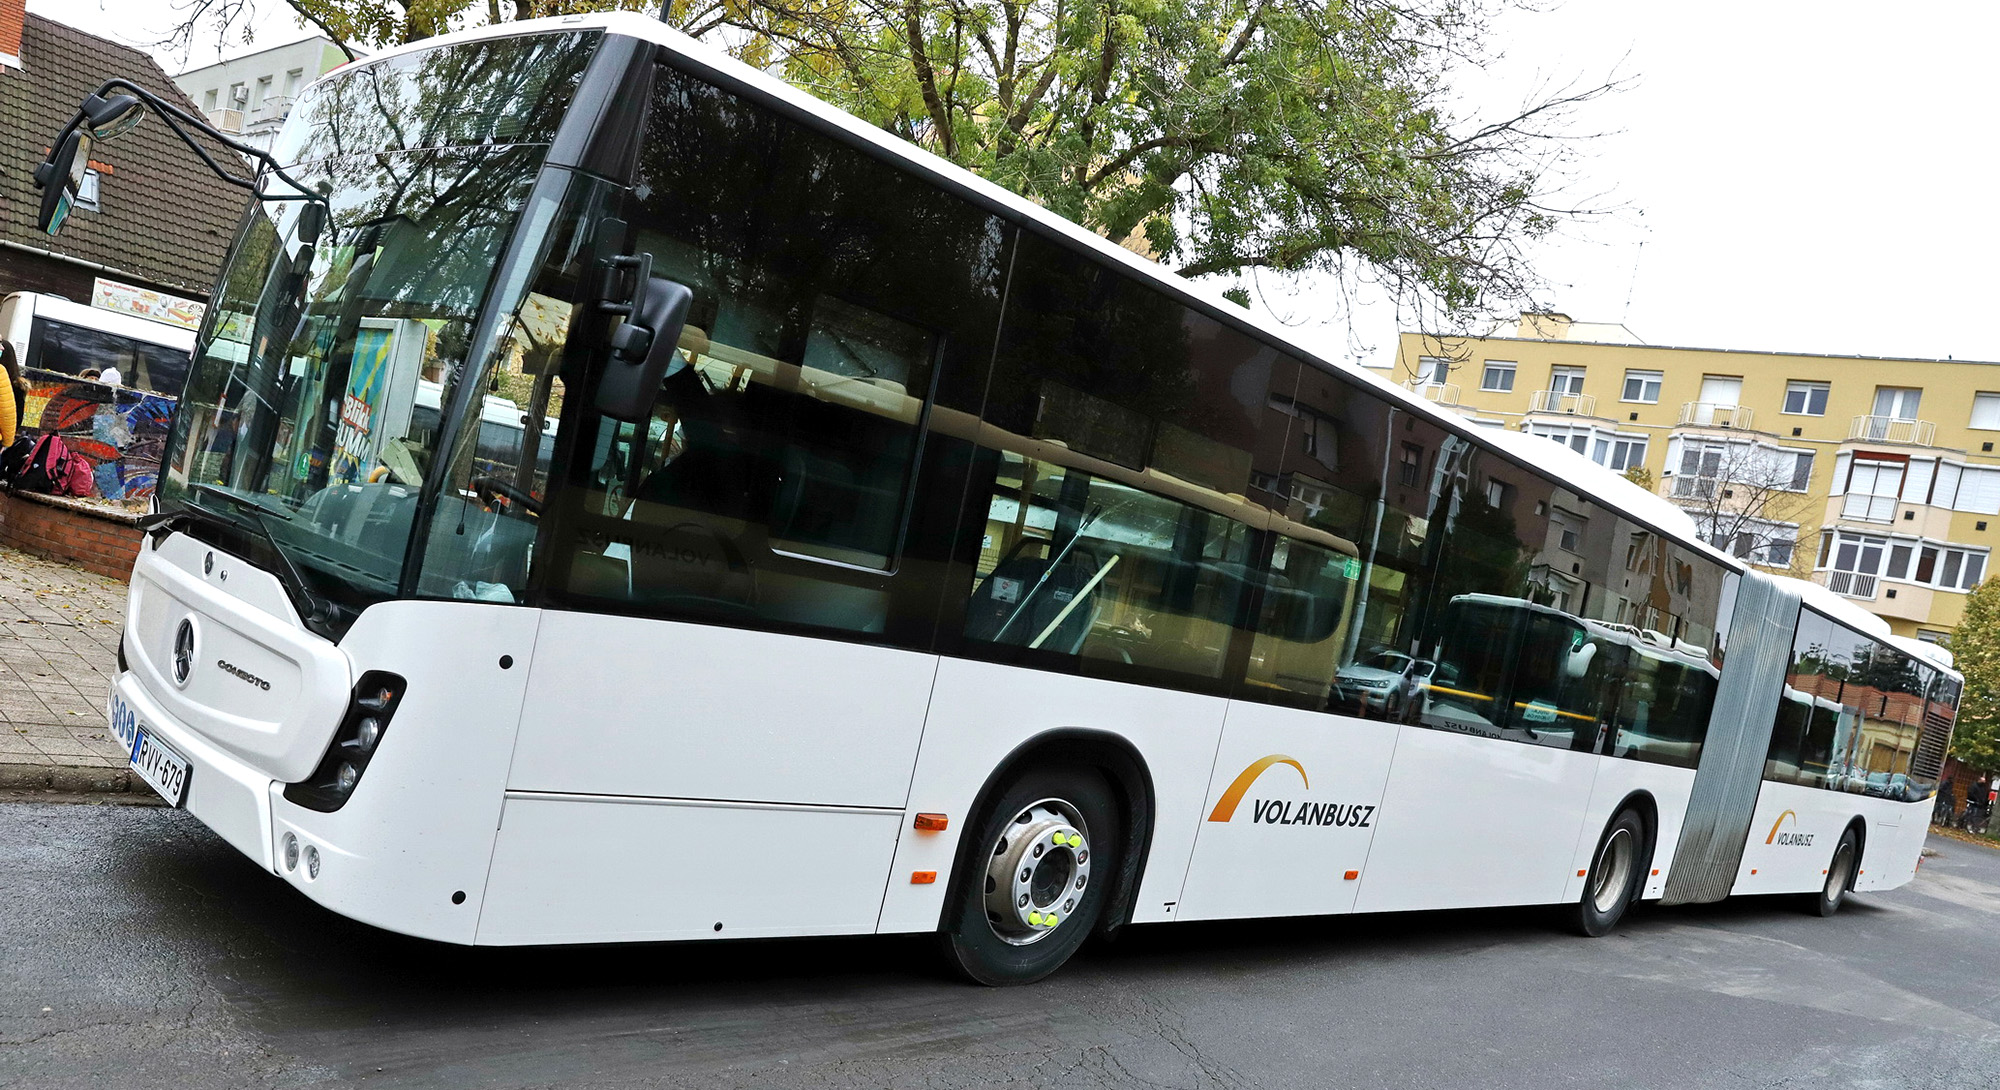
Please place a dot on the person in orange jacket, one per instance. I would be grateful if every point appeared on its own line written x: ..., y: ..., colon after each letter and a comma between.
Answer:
x: 13, y: 395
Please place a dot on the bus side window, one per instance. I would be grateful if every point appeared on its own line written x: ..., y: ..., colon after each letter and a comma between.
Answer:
x: 779, y: 467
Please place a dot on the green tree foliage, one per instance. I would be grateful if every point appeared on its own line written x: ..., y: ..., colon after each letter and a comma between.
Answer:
x: 1976, y: 644
x: 1217, y: 136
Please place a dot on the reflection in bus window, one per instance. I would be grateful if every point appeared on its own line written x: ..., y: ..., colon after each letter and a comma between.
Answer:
x: 1085, y: 566
x: 1860, y: 716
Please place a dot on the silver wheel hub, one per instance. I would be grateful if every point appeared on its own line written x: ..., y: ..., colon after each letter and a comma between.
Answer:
x: 1613, y: 872
x: 1036, y: 871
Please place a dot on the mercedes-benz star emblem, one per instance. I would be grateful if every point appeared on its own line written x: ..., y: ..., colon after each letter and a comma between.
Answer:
x: 208, y: 564
x: 184, y: 651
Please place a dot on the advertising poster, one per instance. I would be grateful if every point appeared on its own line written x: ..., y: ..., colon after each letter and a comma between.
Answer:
x: 361, y: 406
x: 139, y: 302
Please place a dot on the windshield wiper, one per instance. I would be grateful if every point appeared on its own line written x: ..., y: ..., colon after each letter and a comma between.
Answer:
x: 317, y: 609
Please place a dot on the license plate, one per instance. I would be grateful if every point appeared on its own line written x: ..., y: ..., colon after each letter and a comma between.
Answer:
x: 159, y: 765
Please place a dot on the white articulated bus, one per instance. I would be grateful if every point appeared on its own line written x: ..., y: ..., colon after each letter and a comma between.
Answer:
x: 880, y: 553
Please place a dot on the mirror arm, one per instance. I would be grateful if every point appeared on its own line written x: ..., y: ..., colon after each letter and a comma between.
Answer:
x: 175, y: 117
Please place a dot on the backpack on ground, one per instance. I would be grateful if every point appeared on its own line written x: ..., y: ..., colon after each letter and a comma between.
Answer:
x: 14, y: 459
x: 55, y: 469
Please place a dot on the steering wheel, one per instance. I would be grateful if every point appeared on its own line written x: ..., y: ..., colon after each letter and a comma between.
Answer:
x: 490, y: 490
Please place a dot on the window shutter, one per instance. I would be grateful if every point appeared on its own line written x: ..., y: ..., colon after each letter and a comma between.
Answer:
x: 1840, y: 464
x: 1918, y: 488
x: 1979, y: 491
x: 1945, y: 492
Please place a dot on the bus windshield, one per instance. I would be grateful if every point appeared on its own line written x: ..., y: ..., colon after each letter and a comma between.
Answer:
x: 305, y: 397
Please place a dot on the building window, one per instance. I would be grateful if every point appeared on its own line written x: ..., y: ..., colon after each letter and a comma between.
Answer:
x: 1432, y: 370
x: 208, y: 101
x: 1802, y: 463
x: 1412, y: 468
x: 1619, y: 453
x: 1498, y: 376
x: 1851, y: 557
x: 1872, y: 491
x: 1612, y: 450
x: 86, y: 192
x: 1566, y: 380
x: 1986, y: 411
x: 1806, y: 398
x: 292, y: 79
x: 1642, y: 386
x: 263, y: 93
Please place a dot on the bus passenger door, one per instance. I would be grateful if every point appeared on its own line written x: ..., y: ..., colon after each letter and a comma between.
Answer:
x: 1293, y: 804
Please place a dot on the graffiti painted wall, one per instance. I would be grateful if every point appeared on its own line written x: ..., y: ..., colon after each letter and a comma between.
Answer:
x: 121, y: 431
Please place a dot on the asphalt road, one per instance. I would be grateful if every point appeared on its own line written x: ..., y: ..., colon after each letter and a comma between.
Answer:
x: 138, y: 949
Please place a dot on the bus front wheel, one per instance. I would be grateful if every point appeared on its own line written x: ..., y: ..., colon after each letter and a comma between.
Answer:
x: 1044, y: 856
x: 1612, y: 882
x: 1839, y: 876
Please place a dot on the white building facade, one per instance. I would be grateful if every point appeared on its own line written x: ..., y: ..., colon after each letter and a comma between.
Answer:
x: 250, y: 96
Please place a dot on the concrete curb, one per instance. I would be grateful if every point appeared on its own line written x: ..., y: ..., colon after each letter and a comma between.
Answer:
x: 67, y: 778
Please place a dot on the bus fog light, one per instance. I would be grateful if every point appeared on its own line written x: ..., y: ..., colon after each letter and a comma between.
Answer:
x: 368, y: 733
x: 312, y: 861
x: 291, y: 852
x: 345, y: 779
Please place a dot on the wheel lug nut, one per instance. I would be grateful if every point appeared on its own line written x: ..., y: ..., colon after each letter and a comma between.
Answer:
x: 1025, y: 874
x: 1024, y: 900
x: 1083, y: 857
x: 1038, y: 851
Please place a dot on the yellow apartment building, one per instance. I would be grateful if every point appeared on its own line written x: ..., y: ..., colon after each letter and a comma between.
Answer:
x: 1874, y: 477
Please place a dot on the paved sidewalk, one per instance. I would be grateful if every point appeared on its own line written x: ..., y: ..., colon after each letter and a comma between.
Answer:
x: 59, y: 630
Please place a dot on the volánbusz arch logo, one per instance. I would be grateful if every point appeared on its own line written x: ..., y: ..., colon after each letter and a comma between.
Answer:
x: 1793, y: 839
x: 1287, y: 811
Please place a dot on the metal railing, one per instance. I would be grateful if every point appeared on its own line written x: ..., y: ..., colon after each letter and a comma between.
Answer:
x: 1551, y: 401
x: 1893, y: 429
x: 1851, y: 584
x: 1716, y: 414
x: 1688, y: 487
x: 1444, y: 393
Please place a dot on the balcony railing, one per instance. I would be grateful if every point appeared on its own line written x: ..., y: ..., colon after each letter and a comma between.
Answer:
x: 1444, y: 393
x: 1715, y: 414
x: 1852, y: 584
x: 1687, y: 487
x: 1867, y: 508
x: 1893, y: 429
x: 1552, y: 401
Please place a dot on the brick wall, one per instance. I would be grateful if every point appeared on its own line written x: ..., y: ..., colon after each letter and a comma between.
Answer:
x: 105, y: 542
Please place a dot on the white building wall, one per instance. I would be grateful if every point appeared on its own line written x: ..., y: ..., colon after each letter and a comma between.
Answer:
x: 266, y: 82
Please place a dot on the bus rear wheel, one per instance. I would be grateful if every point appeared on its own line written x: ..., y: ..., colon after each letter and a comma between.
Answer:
x: 1035, y: 882
x: 1839, y: 876
x: 1612, y: 882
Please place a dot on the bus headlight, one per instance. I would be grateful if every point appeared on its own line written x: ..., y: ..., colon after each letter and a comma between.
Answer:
x: 359, y: 738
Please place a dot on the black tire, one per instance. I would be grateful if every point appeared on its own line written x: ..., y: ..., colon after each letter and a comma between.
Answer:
x: 996, y: 950
x: 1617, y: 872
x: 1840, y: 873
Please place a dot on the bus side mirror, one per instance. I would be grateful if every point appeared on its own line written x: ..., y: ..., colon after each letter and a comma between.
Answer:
x: 61, y: 176
x: 642, y: 347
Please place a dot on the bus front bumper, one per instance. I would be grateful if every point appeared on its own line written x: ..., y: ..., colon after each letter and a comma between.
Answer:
x: 228, y: 795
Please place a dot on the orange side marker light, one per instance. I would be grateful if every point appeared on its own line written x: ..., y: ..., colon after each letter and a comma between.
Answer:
x: 1753, y: 870
x: 1656, y: 872
x: 932, y: 823
x: 1579, y: 874
x: 922, y: 877
x: 1352, y: 875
